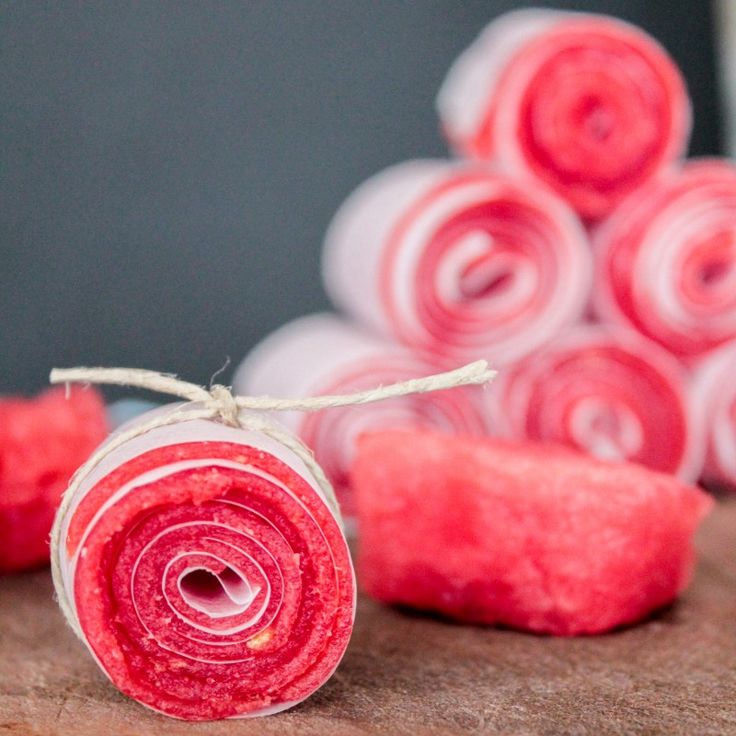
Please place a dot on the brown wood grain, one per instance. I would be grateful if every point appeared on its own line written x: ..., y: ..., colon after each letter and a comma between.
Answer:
x: 409, y: 674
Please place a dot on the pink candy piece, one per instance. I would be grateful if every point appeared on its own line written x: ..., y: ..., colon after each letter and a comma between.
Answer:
x: 537, y: 537
x: 42, y: 442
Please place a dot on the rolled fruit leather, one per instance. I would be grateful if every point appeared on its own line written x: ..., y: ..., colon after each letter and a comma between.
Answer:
x: 588, y: 104
x: 666, y: 260
x: 205, y: 568
x: 458, y: 260
x: 606, y: 391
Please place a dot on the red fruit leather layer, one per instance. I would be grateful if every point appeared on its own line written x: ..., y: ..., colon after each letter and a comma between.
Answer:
x: 534, y: 537
x: 667, y: 260
x: 604, y: 391
x: 210, y: 578
x: 42, y: 442
x: 588, y: 104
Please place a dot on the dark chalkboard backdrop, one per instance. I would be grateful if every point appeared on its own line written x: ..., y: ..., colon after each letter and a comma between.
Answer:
x: 168, y: 168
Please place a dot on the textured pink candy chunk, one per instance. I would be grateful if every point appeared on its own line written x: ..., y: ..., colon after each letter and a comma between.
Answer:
x: 43, y: 440
x: 534, y: 537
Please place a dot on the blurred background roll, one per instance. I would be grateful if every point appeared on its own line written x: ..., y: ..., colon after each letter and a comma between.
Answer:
x: 588, y: 104
x: 324, y: 354
x: 456, y: 259
x: 667, y: 260
x: 607, y: 392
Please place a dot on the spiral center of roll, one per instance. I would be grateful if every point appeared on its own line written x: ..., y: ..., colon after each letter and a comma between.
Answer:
x: 600, y: 126
x: 483, y: 278
x: 225, y: 593
x: 482, y: 267
x: 710, y: 273
x: 594, y: 119
x: 610, y: 431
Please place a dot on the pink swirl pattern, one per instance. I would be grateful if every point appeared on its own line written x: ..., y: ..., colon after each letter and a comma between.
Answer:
x: 207, y: 573
x: 666, y: 260
x: 606, y: 392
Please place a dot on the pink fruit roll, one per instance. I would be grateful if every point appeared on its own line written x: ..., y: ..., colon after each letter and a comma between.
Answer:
x: 325, y: 354
x: 714, y: 392
x: 206, y: 571
x: 458, y: 260
x: 666, y: 260
x: 607, y: 392
x: 588, y: 104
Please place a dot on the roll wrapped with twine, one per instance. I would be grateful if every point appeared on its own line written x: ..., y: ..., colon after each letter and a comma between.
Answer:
x: 199, y: 552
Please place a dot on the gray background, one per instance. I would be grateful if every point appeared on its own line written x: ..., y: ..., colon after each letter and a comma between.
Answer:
x: 168, y: 169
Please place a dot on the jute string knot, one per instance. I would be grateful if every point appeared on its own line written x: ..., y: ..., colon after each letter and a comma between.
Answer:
x: 224, y: 402
x: 219, y: 404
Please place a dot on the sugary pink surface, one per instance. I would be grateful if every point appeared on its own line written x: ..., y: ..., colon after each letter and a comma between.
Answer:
x: 533, y: 537
x: 210, y: 580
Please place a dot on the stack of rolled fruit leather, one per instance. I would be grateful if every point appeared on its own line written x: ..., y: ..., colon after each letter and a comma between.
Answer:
x: 570, y: 245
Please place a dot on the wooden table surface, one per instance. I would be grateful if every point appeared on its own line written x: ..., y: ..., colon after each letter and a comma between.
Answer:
x: 410, y: 674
